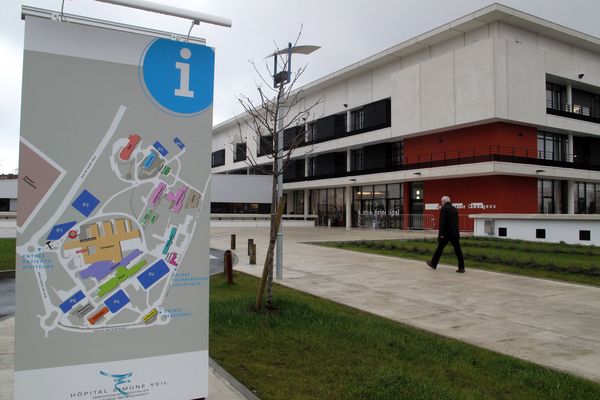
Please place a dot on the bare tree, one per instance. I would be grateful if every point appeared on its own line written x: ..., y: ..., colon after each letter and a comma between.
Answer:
x: 279, y: 107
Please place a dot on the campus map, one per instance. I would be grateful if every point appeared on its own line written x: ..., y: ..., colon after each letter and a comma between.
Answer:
x: 108, y: 256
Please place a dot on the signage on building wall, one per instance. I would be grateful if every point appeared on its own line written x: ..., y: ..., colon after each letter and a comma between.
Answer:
x: 462, y: 206
x: 112, y: 245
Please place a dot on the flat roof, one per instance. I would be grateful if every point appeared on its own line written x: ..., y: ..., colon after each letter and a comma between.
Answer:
x: 492, y: 13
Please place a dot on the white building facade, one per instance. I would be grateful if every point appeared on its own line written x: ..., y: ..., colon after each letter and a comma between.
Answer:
x: 8, y: 195
x: 499, y: 110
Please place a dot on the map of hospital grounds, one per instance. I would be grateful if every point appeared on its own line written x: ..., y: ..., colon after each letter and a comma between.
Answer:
x: 109, y: 258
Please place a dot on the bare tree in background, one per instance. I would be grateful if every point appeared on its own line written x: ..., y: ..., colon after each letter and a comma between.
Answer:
x: 279, y: 107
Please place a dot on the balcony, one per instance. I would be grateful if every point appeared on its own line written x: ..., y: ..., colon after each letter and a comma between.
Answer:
x: 471, y: 155
x: 575, y: 111
x: 376, y: 115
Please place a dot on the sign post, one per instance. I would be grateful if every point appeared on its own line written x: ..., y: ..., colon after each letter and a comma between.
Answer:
x: 113, y: 218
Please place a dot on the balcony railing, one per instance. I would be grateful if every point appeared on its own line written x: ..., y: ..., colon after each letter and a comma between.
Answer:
x: 471, y: 155
x: 575, y: 111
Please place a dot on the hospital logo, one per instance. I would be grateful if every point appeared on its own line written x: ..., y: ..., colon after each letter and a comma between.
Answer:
x: 119, y: 380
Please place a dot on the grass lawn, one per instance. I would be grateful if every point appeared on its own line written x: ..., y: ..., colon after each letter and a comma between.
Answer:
x: 7, y: 253
x: 573, y: 263
x: 312, y: 348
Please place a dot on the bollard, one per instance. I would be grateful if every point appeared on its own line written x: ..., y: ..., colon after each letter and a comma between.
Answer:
x: 250, y: 243
x: 227, y: 266
x: 253, y: 254
x: 232, y: 242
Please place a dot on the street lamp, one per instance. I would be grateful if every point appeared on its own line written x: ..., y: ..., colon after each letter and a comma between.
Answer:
x: 280, y: 79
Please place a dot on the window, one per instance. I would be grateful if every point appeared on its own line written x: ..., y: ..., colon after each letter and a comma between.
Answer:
x: 298, y: 197
x: 397, y: 153
x: 218, y: 158
x: 329, y: 205
x: 294, y: 170
x: 552, y: 146
x: 327, y: 164
x: 585, y: 235
x: 540, y: 234
x: 379, y: 203
x: 311, y: 132
x: 586, y: 103
x: 555, y: 96
x: 357, y: 119
x: 586, y: 150
x: 552, y: 197
x: 264, y: 169
x: 357, y: 160
x: 340, y: 124
x: 293, y: 137
x: 502, y: 232
x: 265, y: 146
x: 240, y: 152
x: 588, y: 198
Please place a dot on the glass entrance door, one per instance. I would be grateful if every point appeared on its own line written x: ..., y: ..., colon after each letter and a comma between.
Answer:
x: 416, y: 205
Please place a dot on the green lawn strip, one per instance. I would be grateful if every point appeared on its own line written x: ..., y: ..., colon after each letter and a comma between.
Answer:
x: 7, y: 253
x: 533, y: 246
x: 518, y: 259
x: 311, y: 348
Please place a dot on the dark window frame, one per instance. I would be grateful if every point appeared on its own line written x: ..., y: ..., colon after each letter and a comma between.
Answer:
x: 218, y: 158
x: 240, y: 153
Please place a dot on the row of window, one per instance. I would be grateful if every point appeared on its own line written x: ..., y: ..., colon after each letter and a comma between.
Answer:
x: 552, y: 197
x: 584, y: 105
x: 372, y: 116
x: 540, y: 233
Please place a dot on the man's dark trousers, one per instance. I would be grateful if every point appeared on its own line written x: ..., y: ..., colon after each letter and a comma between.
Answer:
x: 442, y: 242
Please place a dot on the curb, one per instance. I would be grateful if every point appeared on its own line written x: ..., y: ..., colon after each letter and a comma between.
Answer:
x: 7, y: 274
x: 244, y: 391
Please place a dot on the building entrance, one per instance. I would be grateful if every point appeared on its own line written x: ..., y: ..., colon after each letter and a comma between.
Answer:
x: 416, y: 205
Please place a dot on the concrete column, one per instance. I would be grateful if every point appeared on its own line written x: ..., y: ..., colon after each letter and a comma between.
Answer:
x: 348, y: 127
x: 348, y: 160
x: 571, y: 197
x: 306, y: 201
x: 570, y: 148
x: 348, y: 197
x: 570, y: 158
x: 306, y: 167
x: 569, y: 94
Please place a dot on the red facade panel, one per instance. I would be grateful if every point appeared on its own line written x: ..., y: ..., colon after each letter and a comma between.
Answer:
x: 497, y: 138
x: 484, y: 194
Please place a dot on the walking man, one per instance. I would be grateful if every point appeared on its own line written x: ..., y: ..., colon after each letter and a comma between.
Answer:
x: 448, y: 233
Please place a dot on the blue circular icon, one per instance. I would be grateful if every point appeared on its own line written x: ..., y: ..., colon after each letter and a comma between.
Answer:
x: 178, y: 76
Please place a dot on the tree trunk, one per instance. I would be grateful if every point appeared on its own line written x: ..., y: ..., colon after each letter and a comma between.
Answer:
x: 268, y: 265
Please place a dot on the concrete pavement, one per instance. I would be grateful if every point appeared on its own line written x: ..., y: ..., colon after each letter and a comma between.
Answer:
x: 550, y: 323
x: 221, y: 385
x: 8, y: 228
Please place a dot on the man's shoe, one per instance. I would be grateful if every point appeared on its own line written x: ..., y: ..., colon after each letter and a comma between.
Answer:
x: 460, y: 270
x: 431, y: 265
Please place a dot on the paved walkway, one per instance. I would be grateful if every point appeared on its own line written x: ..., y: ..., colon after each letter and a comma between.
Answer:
x: 550, y: 323
x: 8, y: 228
x: 221, y: 385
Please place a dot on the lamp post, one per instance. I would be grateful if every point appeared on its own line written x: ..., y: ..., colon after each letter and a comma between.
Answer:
x: 280, y: 79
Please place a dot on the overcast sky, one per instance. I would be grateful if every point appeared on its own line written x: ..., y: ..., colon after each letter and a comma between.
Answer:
x: 348, y: 31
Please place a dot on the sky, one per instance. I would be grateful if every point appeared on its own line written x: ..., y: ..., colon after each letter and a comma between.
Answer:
x: 347, y: 32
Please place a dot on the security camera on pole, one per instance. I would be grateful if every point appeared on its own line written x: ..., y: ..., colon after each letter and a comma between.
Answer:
x: 281, y: 109
x: 280, y: 79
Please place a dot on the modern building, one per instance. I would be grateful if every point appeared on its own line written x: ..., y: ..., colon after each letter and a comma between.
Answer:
x: 8, y: 193
x: 499, y: 109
